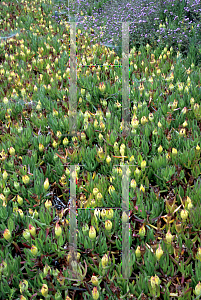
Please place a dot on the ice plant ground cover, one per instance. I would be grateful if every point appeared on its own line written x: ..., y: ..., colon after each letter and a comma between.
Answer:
x: 161, y: 154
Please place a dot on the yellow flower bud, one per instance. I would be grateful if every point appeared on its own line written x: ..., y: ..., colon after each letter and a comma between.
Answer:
x: 138, y: 252
x: 46, y: 269
x: 169, y: 237
x: 31, y: 211
x: 99, y: 196
x: 100, y: 153
x: 174, y: 151
x: 135, y: 123
x: 25, y: 179
x: 69, y: 257
x: 182, y: 132
x: 155, y: 281
x: 190, y: 206
x: 35, y: 214
x: 46, y: 184
x: 48, y: 204
x: 144, y: 120
x: 41, y: 147
x: 109, y: 213
x: 21, y: 213
x: 7, y: 234
x: 137, y: 172
x: 142, y: 188
x: 151, y: 117
x: 124, y: 217
x: 143, y: 165
x: 198, y: 289
x: 108, y: 159
x: 65, y: 141
x: 102, y: 87
x: 82, y: 92
x: 2, y: 197
x: 142, y: 231
x: 111, y: 189
x: 159, y: 252
x: 159, y: 124
x: 92, y: 233
x: 5, y: 175
x: 54, y: 144
x: 133, y: 183
x: 83, y: 136
x: 55, y: 112
x: 23, y: 285
x: 160, y: 149
x: 32, y: 230
x: 59, y: 134
x: 104, y: 260
x: 58, y: 230
x: 119, y: 171
x: 103, y: 214
x: 184, y: 110
x: 95, y: 293
x: 26, y: 234
x: 78, y: 256
x: 5, y: 100
x: 34, y: 250
x: 185, y: 124
x: 94, y: 280
x: 44, y: 290
x: 19, y: 200
x: 12, y: 151
x: 102, y: 126
x: 96, y: 124
x: 184, y: 214
x: 108, y: 225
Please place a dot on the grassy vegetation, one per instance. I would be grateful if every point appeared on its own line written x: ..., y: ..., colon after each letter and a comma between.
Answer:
x: 157, y: 162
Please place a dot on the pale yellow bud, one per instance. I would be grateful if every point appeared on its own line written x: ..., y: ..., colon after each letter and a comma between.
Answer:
x: 142, y: 231
x: 143, y: 165
x: 160, y: 149
x: 92, y: 233
x: 184, y: 214
x: 133, y: 184
x: 108, y: 159
x: 169, y: 237
x: 174, y: 151
x: 104, y: 261
x: 159, y: 252
x: 138, y: 252
x: 58, y: 230
x: 108, y: 225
